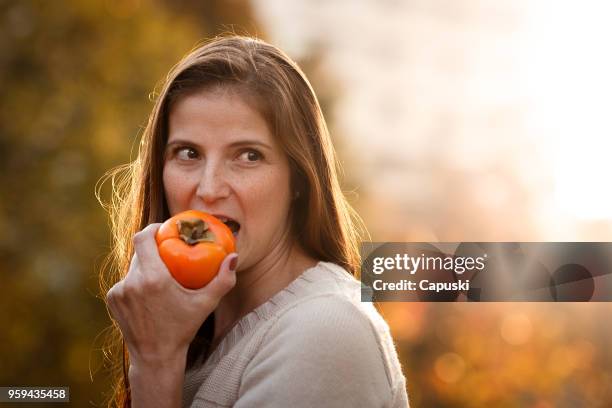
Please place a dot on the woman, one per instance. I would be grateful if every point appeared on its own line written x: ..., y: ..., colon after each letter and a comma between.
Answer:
x: 237, y: 132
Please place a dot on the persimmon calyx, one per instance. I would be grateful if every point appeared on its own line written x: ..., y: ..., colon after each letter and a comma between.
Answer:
x: 194, y: 231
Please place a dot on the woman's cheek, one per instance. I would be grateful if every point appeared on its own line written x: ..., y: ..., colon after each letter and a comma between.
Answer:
x: 175, y: 186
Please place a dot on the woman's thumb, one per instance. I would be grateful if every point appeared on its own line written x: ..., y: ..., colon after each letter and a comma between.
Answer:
x: 225, y: 279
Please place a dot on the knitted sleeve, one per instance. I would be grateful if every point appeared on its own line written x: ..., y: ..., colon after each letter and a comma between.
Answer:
x: 322, y: 352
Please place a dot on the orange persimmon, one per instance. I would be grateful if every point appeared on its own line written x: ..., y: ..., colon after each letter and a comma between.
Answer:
x: 193, y: 244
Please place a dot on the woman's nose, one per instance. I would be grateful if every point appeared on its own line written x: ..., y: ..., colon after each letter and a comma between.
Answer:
x: 213, y: 183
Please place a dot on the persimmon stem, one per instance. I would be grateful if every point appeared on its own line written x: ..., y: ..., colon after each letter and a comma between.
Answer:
x: 194, y: 231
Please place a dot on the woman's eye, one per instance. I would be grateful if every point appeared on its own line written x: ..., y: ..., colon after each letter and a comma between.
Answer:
x: 186, y: 153
x: 250, y: 156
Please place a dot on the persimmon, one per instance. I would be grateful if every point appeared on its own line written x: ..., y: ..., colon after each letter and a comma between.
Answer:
x: 193, y: 244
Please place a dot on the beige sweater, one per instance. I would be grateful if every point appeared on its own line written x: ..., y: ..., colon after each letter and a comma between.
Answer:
x: 313, y: 344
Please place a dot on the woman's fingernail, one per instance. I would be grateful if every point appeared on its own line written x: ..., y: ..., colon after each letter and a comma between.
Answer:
x: 233, y: 263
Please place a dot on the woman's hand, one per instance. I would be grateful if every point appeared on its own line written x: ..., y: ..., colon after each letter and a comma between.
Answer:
x: 158, y: 317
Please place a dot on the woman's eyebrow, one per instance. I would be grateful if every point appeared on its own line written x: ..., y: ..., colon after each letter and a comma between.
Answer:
x: 238, y: 143
x: 250, y: 143
x: 181, y: 142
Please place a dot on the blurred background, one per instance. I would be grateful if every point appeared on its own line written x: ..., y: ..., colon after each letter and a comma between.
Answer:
x: 464, y: 120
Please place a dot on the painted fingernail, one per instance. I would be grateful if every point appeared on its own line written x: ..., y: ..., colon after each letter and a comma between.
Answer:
x: 233, y: 263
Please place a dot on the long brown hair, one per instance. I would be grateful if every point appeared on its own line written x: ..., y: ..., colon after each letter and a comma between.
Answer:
x: 322, y: 220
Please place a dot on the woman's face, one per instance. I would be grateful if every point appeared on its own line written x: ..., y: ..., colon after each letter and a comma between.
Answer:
x: 222, y: 159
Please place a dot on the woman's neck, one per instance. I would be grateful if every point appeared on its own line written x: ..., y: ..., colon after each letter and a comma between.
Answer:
x: 256, y: 285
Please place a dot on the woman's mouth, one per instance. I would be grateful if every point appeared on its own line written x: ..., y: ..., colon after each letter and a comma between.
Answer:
x: 233, y: 225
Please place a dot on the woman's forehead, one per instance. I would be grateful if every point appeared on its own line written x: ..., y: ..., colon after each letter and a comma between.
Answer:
x: 217, y: 115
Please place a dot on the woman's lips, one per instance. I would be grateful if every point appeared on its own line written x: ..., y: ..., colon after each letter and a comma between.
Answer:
x: 232, y: 224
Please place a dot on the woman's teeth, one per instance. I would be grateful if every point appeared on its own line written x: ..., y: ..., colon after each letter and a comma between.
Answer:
x: 231, y: 224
